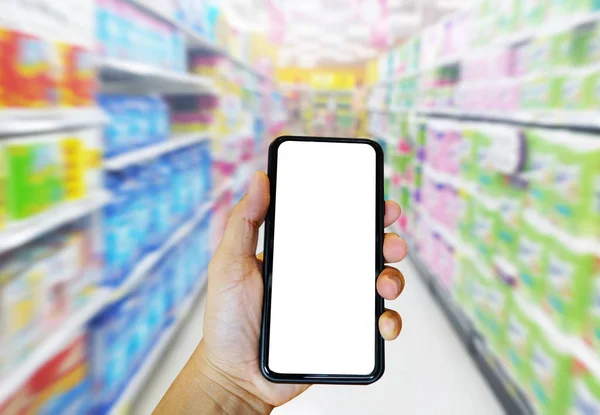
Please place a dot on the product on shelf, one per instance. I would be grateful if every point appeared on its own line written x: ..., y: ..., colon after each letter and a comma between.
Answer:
x: 124, y: 31
x: 192, y: 114
x: 43, y: 284
x: 42, y: 171
x: 60, y: 385
x: 124, y: 333
x: 136, y: 121
x: 149, y: 203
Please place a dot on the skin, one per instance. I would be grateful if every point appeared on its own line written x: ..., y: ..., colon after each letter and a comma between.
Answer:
x: 223, y: 374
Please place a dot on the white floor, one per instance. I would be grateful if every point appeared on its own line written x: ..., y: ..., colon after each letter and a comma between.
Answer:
x: 428, y: 371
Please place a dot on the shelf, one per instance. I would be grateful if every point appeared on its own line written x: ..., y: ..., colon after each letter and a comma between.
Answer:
x: 145, y: 154
x: 137, y: 382
x: 545, y: 118
x: 506, y: 390
x: 33, y: 121
x: 17, y: 234
x: 196, y: 40
x: 53, y: 343
x: 152, y: 259
x: 122, y: 76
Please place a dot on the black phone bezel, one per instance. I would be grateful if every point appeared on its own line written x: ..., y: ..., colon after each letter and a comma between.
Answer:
x: 267, y: 272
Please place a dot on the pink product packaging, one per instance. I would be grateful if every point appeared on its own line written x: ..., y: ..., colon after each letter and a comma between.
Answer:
x: 446, y: 264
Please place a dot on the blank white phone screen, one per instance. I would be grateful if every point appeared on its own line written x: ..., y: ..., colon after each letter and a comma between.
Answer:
x: 324, y: 264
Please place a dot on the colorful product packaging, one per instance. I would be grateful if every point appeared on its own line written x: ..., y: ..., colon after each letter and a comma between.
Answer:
x: 576, y: 183
x: 520, y: 335
x: 573, y: 269
x: 551, y: 374
x: 539, y: 170
x: 585, y: 391
x: 485, y: 227
x: 532, y: 258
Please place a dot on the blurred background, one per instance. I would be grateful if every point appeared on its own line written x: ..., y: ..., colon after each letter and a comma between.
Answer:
x: 129, y: 128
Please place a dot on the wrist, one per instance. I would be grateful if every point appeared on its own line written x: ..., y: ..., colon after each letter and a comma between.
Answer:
x: 224, y: 392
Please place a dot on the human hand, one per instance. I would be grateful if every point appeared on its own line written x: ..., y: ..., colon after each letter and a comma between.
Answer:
x: 229, y: 352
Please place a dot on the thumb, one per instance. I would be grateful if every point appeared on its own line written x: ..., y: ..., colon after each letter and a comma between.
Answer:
x: 241, y: 232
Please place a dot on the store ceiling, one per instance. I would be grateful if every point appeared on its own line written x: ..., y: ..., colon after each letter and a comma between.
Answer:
x: 333, y: 32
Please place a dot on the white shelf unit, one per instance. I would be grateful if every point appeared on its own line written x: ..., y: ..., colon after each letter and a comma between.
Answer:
x: 20, y: 233
x: 14, y: 122
x: 145, y: 154
x: 53, y: 343
x: 138, y: 78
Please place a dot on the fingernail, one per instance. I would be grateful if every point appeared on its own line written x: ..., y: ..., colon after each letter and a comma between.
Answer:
x: 254, y: 183
x: 397, y: 283
x: 389, y: 325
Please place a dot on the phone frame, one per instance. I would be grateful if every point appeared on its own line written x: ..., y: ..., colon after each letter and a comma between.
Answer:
x: 379, y: 368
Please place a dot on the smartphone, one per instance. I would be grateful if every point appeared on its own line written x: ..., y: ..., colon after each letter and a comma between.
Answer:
x: 323, y: 252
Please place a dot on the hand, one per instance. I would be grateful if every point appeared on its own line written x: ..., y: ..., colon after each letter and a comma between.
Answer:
x: 229, y: 351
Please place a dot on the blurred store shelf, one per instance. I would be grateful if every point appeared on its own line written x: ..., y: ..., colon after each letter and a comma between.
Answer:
x: 137, y: 382
x: 25, y: 231
x: 138, y: 78
x: 505, y: 388
x: 150, y: 260
x: 53, y: 343
x: 33, y: 121
x: 196, y: 40
x: 144, y: 154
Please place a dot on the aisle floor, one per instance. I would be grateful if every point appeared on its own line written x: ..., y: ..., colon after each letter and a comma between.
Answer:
x: 428, y: 370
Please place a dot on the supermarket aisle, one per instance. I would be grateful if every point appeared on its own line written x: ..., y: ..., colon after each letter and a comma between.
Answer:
x: 428, y: 370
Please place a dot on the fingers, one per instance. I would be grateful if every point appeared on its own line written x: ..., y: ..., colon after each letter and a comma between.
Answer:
x: 392, y: 213
x: 394, y: 248
x: 390, y: 283
x: 390, y: 324
x: 241, y: 232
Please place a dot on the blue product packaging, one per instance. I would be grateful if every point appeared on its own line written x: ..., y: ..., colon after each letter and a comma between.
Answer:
x: 109, y: 360
x: 106, y: 29
x: 116, y: 132
x: 117, y: 233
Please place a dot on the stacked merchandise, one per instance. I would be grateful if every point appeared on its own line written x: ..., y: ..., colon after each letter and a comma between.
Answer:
x: 496, y: 162
x: 90, y: 298
x: 333, y: 113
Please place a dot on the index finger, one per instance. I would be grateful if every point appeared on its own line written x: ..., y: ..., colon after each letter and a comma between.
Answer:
x: 392, y: 213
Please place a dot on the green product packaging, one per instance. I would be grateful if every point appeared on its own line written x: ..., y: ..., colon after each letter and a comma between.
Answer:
x: 591, y: 333
x: 592, y: 90
x: 576, y: 183
x: 499, y: 300
x: 533, y: 12
x: 532, y: 259
x: 520, y: 333
x: 465, y: 215
x: 539, y: 168
x: 484, y: 228
x: 485, y: 175
x: 562, y: 49
x: 468, y: 153
x: 573, y: 94
x: 586, y: 45
x: 25, y: 195
x: 584, y: 395
x: 551, y: 374
x: 565, y: 7
x: 573, y: 268
x: 510, y: 206
x: 478, y: 290
x: 3, y: 219
x: 540, y: 92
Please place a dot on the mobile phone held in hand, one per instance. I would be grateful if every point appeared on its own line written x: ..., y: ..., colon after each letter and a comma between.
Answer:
x: 323, y: 252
